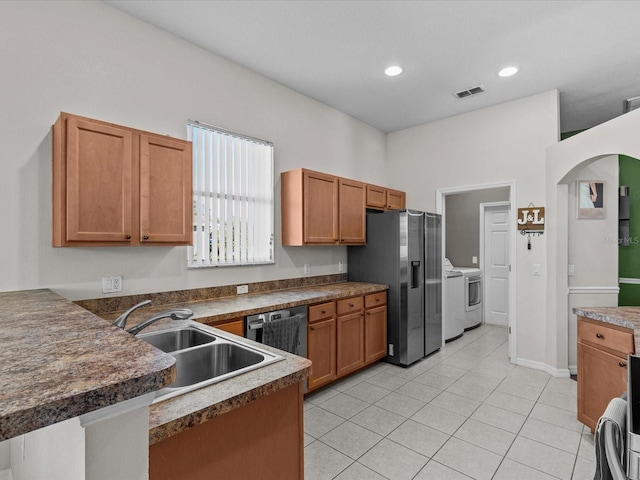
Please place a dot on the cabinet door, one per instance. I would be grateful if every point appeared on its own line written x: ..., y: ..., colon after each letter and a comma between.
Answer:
x: 396, y: 200
x: 350, y: 343
x: 320, y: 200
x: 99, y: 178
x: 233, y: 326
x: 376, y: 197
x: 321, y: 350
x: 601, y: 377
x: 166, y: 197
x: 375, y: 334
x: 352, y: 198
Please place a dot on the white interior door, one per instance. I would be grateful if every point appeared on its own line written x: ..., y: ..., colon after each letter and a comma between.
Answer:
x: 496, y: 265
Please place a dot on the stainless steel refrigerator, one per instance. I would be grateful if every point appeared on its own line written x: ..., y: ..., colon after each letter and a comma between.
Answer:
x: 403, y: 251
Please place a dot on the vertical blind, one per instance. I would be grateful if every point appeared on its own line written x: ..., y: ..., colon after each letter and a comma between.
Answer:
x: 232, y: 198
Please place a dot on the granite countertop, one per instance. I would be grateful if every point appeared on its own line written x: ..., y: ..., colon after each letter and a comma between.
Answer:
x: 628, y: 317
x: 59, y: 361
x: 219, y: 310
x: 177, y: 414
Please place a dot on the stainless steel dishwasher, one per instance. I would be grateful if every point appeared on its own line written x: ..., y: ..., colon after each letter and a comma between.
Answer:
x: 254, y: 326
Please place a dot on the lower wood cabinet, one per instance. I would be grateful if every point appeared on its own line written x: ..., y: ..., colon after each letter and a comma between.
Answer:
x: 321, y: 344
x: 375, y: 334
x: 350, y: 335
x: 344, y: 336
x: 235, y: 326
x: 260, y: 440
x: 602, y: 367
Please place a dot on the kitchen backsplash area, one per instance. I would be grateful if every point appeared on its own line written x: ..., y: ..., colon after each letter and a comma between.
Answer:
x: 100, y: 306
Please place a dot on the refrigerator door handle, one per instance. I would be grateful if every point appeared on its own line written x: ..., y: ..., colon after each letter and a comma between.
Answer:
x: 415, y: 273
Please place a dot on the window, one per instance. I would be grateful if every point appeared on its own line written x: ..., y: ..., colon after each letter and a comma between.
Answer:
x: 232, y: 198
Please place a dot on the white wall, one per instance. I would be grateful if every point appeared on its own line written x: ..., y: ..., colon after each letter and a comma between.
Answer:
x: 593, y: 247
x: 90, y: 59
x: 497, y: 144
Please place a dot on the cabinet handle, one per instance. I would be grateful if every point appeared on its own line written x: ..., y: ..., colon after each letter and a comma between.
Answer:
x: 323, y: 312
x: 622, y: 364
x: 145, y: 237
x: 312, y: 328
x: 127, y: 236
x: 351, y: 305
x: 599, y: 335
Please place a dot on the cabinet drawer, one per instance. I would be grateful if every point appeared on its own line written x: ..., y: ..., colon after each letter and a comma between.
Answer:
x: 616, y: 339
x: 350, y: 305
x: 375, y: 300
x: 321, y: 311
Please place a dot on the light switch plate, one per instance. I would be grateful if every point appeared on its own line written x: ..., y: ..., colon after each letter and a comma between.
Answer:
x: 307, y: 269
x: 572, y: 270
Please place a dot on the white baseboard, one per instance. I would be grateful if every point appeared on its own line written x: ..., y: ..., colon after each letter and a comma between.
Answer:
x: 556, y: 372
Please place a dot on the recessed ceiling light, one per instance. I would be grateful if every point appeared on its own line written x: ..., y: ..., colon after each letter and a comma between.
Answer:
x: 393, y: 71
x: 508, y: 71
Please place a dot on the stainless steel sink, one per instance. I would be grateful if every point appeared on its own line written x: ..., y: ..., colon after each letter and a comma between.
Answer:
x: 173, y: 340
x: 205, y: 356
x: 199, y: 364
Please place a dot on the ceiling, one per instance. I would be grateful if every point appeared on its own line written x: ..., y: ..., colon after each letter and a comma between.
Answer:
x: 336, y: 51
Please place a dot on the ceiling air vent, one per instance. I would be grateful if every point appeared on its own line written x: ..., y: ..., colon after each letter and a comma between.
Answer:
x: 470, y: 91
x: 631, y: 104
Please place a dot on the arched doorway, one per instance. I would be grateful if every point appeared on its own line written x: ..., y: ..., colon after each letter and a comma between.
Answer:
x: 618, y: 136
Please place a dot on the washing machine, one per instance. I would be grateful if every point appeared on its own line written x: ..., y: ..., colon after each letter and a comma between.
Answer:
x: 453, y: 320
x: 472, y: 294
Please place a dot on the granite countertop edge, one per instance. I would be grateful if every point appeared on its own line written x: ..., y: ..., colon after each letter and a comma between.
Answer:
x: 628, y: 317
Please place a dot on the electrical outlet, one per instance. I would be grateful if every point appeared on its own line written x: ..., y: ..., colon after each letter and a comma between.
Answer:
x: 340, y: 266
x: 307, y: 269
x: 242, y: 289
x: 474, y: 259
x: 112, y: 284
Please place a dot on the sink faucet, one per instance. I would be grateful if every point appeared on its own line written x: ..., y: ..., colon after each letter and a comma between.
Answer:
x: 121, y: 321
x: 179, y: 314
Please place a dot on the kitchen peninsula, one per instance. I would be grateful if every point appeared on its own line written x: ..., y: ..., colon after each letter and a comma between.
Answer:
x: 64, y: 362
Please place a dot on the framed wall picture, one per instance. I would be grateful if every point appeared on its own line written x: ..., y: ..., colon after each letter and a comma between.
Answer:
x: 590, y: 199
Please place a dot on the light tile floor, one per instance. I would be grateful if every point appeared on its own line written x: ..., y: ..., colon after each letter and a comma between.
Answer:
x: 463, y: 412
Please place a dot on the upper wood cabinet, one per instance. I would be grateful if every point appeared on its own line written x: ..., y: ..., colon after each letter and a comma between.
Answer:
x: 114, y: 185
x: 381, y: 198
x: 321, y: 209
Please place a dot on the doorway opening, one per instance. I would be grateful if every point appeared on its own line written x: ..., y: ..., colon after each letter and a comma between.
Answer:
x: 456, y: 232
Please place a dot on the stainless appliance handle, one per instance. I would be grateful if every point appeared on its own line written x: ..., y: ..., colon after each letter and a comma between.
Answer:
x: 415, y: 273
x: 255, y: 326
